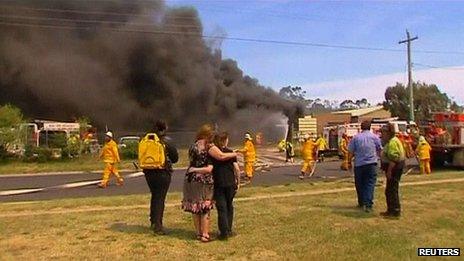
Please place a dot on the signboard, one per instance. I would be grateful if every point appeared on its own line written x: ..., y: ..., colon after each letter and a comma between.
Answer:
x: 61, y: 126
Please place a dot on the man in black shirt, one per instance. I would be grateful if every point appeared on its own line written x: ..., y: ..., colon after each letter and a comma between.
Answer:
x: 158, y: 180
x: 226, y: 175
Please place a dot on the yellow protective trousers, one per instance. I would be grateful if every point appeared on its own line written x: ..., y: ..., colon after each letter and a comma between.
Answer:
x: 110, y: 169
x: 346, y: 164
x: 249, y: 169
x: 425, y: 166
x: 307, y: 166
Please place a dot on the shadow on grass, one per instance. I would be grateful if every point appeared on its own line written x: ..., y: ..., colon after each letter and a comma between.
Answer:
x: 350, y: 211
x: 130, y: 229
x: 178, y: 233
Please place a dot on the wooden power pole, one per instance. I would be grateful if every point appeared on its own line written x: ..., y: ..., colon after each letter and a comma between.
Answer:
x: 411, y: 98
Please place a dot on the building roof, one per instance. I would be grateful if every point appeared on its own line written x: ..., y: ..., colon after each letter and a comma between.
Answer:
x: 360, y: 112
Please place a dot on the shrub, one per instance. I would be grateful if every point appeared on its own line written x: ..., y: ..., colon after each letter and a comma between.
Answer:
x: 130, y: 150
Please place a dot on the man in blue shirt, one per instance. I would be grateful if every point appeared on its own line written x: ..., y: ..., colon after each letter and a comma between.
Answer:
x: 366, y: 148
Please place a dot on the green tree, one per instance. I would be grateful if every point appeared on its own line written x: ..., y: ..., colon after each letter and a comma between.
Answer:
x: 10, y: 118
x: 427, y: 99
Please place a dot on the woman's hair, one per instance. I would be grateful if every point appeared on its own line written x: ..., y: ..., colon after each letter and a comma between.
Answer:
x: 206, y: 132
x: 388, y: 131
x: 160, y: 126
x: 220, y: 139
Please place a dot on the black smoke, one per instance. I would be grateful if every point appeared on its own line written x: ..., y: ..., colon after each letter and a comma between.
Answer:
x: 123, y: 64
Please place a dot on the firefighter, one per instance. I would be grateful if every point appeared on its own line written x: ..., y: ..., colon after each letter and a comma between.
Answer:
x: 346, y: 164
x: 308, y: 148
x: 110, y: 156
x: 249, y: 156
x: 321, y: 145
x: 423, y: 152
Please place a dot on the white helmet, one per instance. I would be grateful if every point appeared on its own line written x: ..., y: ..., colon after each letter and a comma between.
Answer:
x: 109, y: 134
x: 248, y: 136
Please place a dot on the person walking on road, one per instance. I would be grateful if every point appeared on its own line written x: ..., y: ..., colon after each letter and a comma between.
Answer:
x: 346, y: 164
x: 249, y: 156
x: 110, y: 156
x: 289, y: 152
x: 395, y: 154
x: 308, y: 150
x: 159, y: 177
x: 366, y: 148
x: 322, y: 146
x: 226, y: 176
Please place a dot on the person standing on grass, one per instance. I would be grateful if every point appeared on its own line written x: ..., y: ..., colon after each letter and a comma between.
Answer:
x: 395, y: 153
x: 110, y: 156
x: 226, y: 176
x: 423, y: 153
x: 366, y: 148
x: 198, y: 182
x: 158, y: 180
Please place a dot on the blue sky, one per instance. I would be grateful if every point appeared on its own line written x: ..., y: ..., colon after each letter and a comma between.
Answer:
x: 380, y: 24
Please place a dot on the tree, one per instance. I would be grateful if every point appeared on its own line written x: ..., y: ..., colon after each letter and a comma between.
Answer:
x: 456, y: 108
x: 348, y: 104
x: 427, y: 99
x: 295, y: 93
x: 10, y: 118
x: 363, y: 103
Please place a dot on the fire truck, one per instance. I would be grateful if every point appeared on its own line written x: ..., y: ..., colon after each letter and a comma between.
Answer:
x: 445, y: 133
x: 333, y: 134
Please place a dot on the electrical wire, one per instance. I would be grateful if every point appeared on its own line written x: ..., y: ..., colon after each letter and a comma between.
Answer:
x: 296, y: 43
x: 92, y: 21
x: 164, y: 32
x: 440, y: 67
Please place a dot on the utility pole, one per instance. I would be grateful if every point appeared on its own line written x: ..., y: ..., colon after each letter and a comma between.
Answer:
x: 411, y: 97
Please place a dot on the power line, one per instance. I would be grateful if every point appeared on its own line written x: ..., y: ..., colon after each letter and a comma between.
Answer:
x: 440, y: 67
x: 93, y: 21
x: 256, y: 40
x: 74, y: 11
x: 204, y: 36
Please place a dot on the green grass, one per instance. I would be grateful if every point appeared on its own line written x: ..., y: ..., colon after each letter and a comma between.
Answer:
x: 320, y: 227
x: 84, y: 163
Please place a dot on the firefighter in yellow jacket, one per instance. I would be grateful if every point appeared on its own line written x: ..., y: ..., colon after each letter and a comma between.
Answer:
x: 308, y: 150
x: 346, y: 164
x: 249, y: 156
x: 423, y: 152
x: 110, y: 156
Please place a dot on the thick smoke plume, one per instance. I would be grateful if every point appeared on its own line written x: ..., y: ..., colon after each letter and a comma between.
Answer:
x: 102, y: 60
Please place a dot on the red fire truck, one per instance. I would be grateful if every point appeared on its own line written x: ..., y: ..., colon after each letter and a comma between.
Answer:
x: 446, y: 136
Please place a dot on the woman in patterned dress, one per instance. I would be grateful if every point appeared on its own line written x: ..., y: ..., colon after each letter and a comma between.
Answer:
x: 198, y: 182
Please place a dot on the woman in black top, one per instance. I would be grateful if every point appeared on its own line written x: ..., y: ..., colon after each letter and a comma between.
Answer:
x: 226, y: 175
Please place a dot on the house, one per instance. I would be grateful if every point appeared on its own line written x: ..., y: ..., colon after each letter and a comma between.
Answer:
x: 350, y: 116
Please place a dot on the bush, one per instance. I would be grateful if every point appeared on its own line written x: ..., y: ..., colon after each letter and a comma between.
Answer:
x: 10, y: 118
x: 37, y: 154
x: 130, y: 150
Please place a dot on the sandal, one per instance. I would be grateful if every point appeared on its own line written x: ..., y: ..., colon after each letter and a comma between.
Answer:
x: 205, y: 239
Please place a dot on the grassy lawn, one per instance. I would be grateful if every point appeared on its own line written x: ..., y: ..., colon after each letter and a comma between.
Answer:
x: 84, y: 163
x: 318, y: 227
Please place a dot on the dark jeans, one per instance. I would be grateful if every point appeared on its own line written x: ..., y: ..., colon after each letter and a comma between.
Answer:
x: 391, y: 191
x: 158, y: 181
x: 364, y: 179
x: 225, y: 208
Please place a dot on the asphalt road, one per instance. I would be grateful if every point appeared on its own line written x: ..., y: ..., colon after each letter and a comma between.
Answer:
x: 276, y: 176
